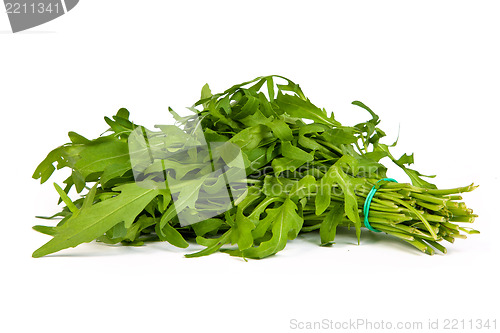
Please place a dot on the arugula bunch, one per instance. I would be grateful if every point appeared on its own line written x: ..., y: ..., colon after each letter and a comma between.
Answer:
x: 304, y: 171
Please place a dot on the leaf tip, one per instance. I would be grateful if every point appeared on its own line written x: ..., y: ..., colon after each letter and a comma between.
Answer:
x: 39, y: 253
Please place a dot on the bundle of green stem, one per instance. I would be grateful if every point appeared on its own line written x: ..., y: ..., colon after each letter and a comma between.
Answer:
x: 420, y: 216
x: 303, y: 171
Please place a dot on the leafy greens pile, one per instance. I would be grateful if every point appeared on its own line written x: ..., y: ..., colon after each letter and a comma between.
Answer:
x: 305, y: 172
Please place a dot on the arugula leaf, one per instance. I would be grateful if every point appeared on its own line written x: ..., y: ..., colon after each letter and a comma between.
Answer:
x: 292, y: 152
x: 212, y: 245
x: 336, y: 175
x: 328, y: 228
x: 207, y: 226
x: 64, y: 197
x: 296, y: 107
x: 94, y: 221
x: 414, y: 175
x: 63, y: 156
x: 286, y: 224
x: 283, y: 164
x: 281, y: 130
x: 103, y: 154
x: 242, y: 230
x: 170, y: 234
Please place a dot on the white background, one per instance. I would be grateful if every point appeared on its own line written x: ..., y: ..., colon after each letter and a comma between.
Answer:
x: 430, y: 67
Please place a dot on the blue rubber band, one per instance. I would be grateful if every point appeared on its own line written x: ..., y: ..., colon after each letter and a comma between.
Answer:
x: 368, y: 201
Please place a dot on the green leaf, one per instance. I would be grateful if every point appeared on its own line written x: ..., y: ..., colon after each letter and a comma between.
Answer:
x: 78, y: 181
x: 336, y: 175
x: 270, y: 88
x: 171, y: 235
x: 213, y: 245
x: 285, y: 164
x: 77, y: 138
x: 188, y: 195
x: 101, y: 154
x: 207, y: 226
x: 51, y: 231
x: 242, y: 231
x: 265, y: 106
x: 94, y: 221
x: 205, y: 91
x: 374, y: 115
x: 328, y: 228
x: 281, y: 130
x: 113, y: 125
x: 405, y: 159
x: 286, y: 224
x: 123, y: 113
x: 414, y: 175
x: 215, y: 112
x: 416, y: 179
x: 63, y: 156
x: 303, y: 188
x: 291, y: 87
x: 337, y: 136
x: 250, y: 107
x: 296, y: 107
x: 284, y: 187
x: 113, y: 171
x: 312, y: 128
x: 71, y: 206
x: 88, y: 201
x: 205, y: 95
x: 292, y: 152
x: 224, y: 104
x: 255, y: 119
x: 312, y: 144
x: 250, y: 138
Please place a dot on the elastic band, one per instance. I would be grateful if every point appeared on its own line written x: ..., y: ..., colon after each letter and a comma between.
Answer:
x: 368, y: 201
